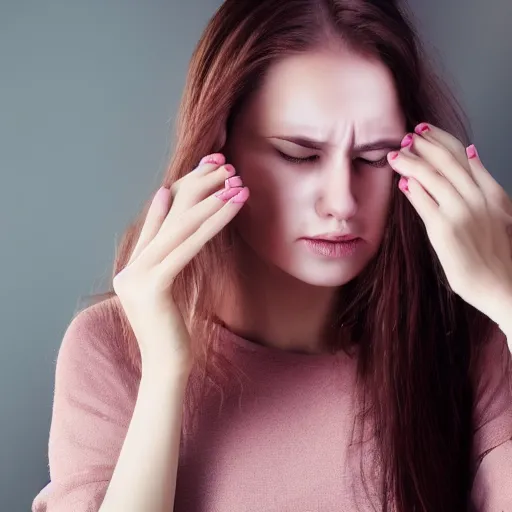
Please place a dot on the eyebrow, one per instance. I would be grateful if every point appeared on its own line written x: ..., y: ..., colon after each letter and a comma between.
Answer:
x: 316, y: 144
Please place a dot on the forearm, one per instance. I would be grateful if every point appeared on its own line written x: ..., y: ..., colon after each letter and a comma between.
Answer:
x: 144, y: 479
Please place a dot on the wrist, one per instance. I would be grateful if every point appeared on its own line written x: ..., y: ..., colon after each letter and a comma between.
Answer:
x: 167, y: 368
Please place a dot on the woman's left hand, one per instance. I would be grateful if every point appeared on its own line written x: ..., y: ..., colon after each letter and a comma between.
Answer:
x: 467, y: 215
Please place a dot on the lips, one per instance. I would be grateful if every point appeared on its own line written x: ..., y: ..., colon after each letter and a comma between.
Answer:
x: 333, y: 249
x: 344, y: 238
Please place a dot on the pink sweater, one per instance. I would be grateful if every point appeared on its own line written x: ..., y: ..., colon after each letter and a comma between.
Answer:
x: 283, y: 448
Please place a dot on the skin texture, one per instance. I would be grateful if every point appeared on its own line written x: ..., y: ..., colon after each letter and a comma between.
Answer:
x: 343, y: 100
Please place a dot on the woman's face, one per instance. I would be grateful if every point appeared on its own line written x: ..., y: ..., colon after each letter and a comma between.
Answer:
x: 319, y: 108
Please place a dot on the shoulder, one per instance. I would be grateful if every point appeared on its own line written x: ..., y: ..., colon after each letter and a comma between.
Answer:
x: 492, y: 415
x: 92, y: 329
x: 95, y: 336
x: 493, y: 366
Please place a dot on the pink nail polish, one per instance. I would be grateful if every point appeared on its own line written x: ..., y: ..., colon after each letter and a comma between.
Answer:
x: 402, y: 184
x: 421, y: 128
x: 241, y: 197
x: 215, y: 158
x: 393, y: 155
x: 225, y: 195
x: 471, y: 151
x: 230, y: 169
x: 406, y: 140
x: 234, y: 181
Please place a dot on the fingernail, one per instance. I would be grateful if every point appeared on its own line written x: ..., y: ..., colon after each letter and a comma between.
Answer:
x: 422, y: 128
x: 402, y: 184
x: 471, y: 151
x: 242, y: 196
x: 229, y: 168
x: 406, y: 140
x: 234, y: 181
x: 393, y: 155
x: 225, y: 195
x: 215, y: 158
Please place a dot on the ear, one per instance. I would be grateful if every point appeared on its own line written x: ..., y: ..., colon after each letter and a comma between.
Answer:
x: 221, y: 140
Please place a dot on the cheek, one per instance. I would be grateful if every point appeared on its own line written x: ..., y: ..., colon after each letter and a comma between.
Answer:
x: 381, y: 193
x: 257, y: 216
x: 272, y: 211
x: 270, y: 184
x: 378, y: 200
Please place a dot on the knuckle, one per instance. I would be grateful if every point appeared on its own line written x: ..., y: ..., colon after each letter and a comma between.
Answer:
x: 181, y: 185
x: 120, y: 284
x: 443, y: 155
x: 186, y: 187
x: 448, y: 157
x: 461, y: 218
x: 458, y: 147
x: 480, y: 201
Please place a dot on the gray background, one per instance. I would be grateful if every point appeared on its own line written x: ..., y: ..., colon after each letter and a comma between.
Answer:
x: 88, y: 93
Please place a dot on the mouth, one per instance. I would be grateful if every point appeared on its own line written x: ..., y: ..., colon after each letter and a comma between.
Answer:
x: 334, y: 239
x: 337, y: 248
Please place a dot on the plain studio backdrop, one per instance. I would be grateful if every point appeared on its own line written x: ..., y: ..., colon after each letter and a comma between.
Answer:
x: 88, y: 95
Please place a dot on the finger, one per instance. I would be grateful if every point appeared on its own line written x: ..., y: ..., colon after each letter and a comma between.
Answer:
x: 409, y: 151
x: 203, y: 186
x: 492, y: 190
x: 442, y: 138
x: 422, y: 202
x: 171, y: 235
x: 158, y: 210
x: 439, y: 188
x: 184, y: 253
x: 198, y: 187
x: 207, y: 164
x: 448, y: 164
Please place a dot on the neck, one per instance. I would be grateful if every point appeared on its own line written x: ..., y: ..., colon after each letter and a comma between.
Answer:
x: 272, y: 308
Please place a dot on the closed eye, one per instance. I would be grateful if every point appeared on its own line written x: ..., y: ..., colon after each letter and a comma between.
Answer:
x: 375, y: 163
x: 298, y: 160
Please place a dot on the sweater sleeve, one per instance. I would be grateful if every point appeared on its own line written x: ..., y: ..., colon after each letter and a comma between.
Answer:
x: 492, y: 485
x: 93, y: 404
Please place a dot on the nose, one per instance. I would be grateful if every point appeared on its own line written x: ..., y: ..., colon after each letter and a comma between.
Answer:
x: 336, y: 198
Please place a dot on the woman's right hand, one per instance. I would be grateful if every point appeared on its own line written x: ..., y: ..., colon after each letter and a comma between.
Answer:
x: 178, y: 224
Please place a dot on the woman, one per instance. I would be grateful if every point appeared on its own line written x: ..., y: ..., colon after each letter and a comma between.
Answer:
x: 360, y: 295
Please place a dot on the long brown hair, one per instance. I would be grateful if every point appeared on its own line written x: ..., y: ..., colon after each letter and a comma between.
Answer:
x: 417, y: 341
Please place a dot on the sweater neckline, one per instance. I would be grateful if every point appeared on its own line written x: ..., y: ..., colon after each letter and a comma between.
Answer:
x: 227, y: 335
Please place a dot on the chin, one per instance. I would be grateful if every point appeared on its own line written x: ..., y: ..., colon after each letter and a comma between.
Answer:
x: 329, y: 278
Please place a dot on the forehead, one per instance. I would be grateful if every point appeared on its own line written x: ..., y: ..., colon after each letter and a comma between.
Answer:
x: 327, y: 93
